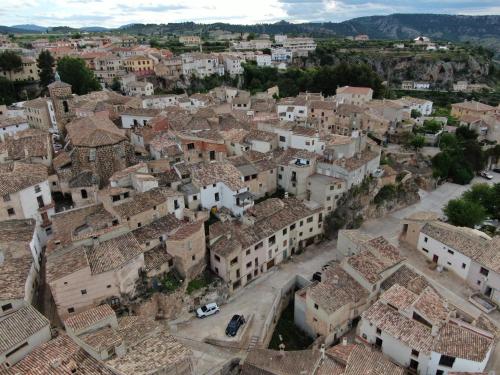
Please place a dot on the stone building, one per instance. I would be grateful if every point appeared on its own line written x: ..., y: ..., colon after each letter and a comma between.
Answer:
x: 62, y: 99
x: 98, y: 146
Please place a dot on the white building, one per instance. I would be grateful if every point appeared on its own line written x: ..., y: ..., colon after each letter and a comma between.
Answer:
x: 221, y: 185
x: 232, y: 65
x: 139, y: 117
x: 416, y: 329
x: 201, y: 65
x: 12, y: 125
x: 281, y: 54
x: 263, y: 60
x: 26, y: 195
x: 421, y: 105
x: 139, y: 88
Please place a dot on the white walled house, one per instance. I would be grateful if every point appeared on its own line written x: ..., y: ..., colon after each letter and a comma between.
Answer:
x: 26, y: 195
x: 139, y: 88
x: 221, y: 185
x: 12, y: 125
x: 453, y: 248
x: 140, y: 117
x: 416, y: 329
x: 263, y: 60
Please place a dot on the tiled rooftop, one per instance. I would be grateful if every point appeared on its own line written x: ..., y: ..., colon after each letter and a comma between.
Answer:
x: 17, y: 176
x: 205, y: 174
x: 19, y: 326
x: 88, y: 318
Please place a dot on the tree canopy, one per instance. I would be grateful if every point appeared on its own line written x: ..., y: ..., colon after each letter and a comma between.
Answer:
x: 10, y: 62
x: 464, y: 213
x: 461, y: 155
x: 74, y: 71
x: 324, y: 79
x: 45, y: 63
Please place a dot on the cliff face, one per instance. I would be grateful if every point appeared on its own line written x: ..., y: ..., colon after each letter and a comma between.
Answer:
x: 441, y: 71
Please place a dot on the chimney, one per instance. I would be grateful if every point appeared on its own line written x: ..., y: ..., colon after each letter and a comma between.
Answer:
x: 344, y: 341
x: 286, y: 195
x: 322, y: 351
x: 335, y: 280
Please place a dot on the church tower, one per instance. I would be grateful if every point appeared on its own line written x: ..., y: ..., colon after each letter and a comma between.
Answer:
x: 62, y: 98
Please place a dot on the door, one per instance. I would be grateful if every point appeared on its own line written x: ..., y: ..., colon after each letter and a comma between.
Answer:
x: 487, y: 291
x: 435, y: 259
x: 378, y: 343
x: 413, y: 364
x: 270, y: 264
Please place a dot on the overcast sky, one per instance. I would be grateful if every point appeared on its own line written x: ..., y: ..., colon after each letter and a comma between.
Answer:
x: 113, y: 13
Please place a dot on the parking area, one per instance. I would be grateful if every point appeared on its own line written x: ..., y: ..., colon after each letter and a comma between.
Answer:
x: 256, y: 299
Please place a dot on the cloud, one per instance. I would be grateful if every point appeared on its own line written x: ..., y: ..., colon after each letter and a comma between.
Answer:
x: 113, y: 13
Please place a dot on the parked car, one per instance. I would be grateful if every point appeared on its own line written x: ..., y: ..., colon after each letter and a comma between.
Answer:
x: 486, y: 175
x: 234, y: 325
x: 496, y: 170
x: 207, y: 310
x: 316, y: 276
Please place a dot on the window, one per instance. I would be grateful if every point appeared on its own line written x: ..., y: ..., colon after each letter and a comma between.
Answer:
x: 379, y: 331
x: 92, y: 154
x: 193, y: 258
x: 216, y: 197
x: 83, y: 291
x: 108, y: 286
x: 484, y: 271
x: 282, y: 138
x: 425, y: 250
x: 40, y: 202
x: 439, y: 372
x: 446, y: 361
x: 11, y: 212
x: 285, y: 231
x: 7, y: 307
x: 249, y: 264
x: 301, y: 223
x: 310, y: 219
x: 451, y: 252
x: 84, y: 194
x: 285, y: 243
x: 37, y: 189
x: 6, y: 198
x: 272, y: 240
x: 71, y: 310
x: 176, y: 204
x: 217, y: 258
x: 316, y: 306
x: 464, y: 265
x: 415, y: 353
x: 234, y: 261
x: 248, y: 252
x: 190, y: 146
x: 139, y: 225
x: 259, y: 245
x: 425, y: 239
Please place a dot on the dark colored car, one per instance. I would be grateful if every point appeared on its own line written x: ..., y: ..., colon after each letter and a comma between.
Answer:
x: 234, y: 325
x: 496, y: 170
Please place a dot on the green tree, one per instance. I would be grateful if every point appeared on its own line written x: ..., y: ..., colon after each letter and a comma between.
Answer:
x: 482, y: 194
x: 74, y: 71
x: 10, y: 62
x: 415, y: 113
x: 116, y: 85
x: 45, y: 63
x: 7, y: 91
x: 417, y: 142
x: 464, y: 213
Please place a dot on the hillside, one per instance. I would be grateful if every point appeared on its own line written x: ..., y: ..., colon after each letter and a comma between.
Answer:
x: 485, y: 29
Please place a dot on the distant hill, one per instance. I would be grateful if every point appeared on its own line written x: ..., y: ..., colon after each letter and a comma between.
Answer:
x: 395, y: 26
x: 31, y: 27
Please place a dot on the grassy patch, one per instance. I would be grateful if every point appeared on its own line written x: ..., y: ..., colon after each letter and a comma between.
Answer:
x: 293, y: 337
x: 202, y: 281
x: 170, y: 283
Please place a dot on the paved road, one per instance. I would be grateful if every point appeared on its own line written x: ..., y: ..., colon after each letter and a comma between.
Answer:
x: 257, y: 298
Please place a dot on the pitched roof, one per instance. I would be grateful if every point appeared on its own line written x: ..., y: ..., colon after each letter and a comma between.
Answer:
x: 17, y: 176
x: 88, y: 318
x: 141, y: 202
x: 354, y: 90
x: 164, y: 225
x: 60, y: 356
x: 94, y: 132
x: 19, y: 326
x: 461, y: 342
x: 204, y: 174
x: 113, y: 253
x: 367, y: 361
